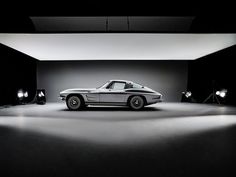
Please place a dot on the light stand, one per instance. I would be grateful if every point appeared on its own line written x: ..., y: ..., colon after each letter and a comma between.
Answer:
x: 212, y: 95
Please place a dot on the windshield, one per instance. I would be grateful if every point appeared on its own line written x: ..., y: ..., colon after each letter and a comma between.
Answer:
x: 104, y: 85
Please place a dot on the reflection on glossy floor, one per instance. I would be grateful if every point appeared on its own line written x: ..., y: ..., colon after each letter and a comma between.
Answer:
x: 166, y: 139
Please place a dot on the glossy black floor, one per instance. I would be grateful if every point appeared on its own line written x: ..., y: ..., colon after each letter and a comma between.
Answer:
x: 166, y: 139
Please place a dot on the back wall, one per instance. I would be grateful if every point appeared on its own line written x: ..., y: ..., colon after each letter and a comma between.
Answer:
x: 167, y: 77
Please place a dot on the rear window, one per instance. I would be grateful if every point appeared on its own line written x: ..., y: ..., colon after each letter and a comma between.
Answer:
x: 137, y: 85
x: 133, y: 85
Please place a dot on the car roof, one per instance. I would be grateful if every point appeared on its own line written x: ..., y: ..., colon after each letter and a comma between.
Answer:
x: 118, y: 80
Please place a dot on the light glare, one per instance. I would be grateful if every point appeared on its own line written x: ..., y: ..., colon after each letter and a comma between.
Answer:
x: 20, y: 94
x: 222, y: 94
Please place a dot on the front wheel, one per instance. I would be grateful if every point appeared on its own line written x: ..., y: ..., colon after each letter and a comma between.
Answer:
x: 136, y: 103
x: 74, y: 103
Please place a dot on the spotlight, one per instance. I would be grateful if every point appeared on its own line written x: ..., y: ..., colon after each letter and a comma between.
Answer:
x: 216, y: 95
x: 221, y: 93
x: 187, y: 97
x: 20, y: 94
x: 41, y: 98
x: 188, y: 94
x: 41, y: 94
x: 26, y: 94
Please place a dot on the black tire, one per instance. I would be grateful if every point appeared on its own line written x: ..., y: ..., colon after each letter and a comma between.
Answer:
x: 74, y: 103
x: 136, y: 102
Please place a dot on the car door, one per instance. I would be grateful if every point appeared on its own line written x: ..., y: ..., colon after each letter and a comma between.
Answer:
x: 113, y: 93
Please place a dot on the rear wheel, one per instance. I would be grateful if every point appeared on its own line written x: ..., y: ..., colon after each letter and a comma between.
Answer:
x: 136, y: 102
x: 74, y: 103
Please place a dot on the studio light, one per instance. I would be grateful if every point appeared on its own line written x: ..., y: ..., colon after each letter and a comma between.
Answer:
x: 40, y: 97
x: 187, y: 97
x: 188, y: 94
x: 217, y: 96
x: 222, y: 93
x: 41, y: 94
x: 26, y: 94
x: 20, y: 94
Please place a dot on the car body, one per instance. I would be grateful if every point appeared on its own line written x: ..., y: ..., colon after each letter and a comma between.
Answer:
x: 113, y: 92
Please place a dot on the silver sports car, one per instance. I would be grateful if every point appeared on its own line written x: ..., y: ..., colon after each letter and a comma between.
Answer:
x: 113, y: 92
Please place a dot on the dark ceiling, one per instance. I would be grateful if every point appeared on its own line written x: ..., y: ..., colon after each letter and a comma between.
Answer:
x: 112, y: 24
x: 208, y: 17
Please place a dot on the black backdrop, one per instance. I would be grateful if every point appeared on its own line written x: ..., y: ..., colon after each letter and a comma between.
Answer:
x: 217, y: 69
x: 18, y: 71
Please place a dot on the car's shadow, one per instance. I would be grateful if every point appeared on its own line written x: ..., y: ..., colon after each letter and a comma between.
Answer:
x: 98, y: 108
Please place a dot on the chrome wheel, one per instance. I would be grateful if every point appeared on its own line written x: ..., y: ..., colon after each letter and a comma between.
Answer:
x: 136, y: 102
x: 73, y: 103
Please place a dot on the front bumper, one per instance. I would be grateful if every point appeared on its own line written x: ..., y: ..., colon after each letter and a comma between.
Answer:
x: 62, y: 97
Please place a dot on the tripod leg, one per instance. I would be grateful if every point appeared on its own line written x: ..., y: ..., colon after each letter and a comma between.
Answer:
x: 217, y: 99
x: 208, y: 98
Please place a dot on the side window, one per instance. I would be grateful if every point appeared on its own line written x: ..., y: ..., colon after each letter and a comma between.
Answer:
x: 117, y: 85
x: 128, y: 85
